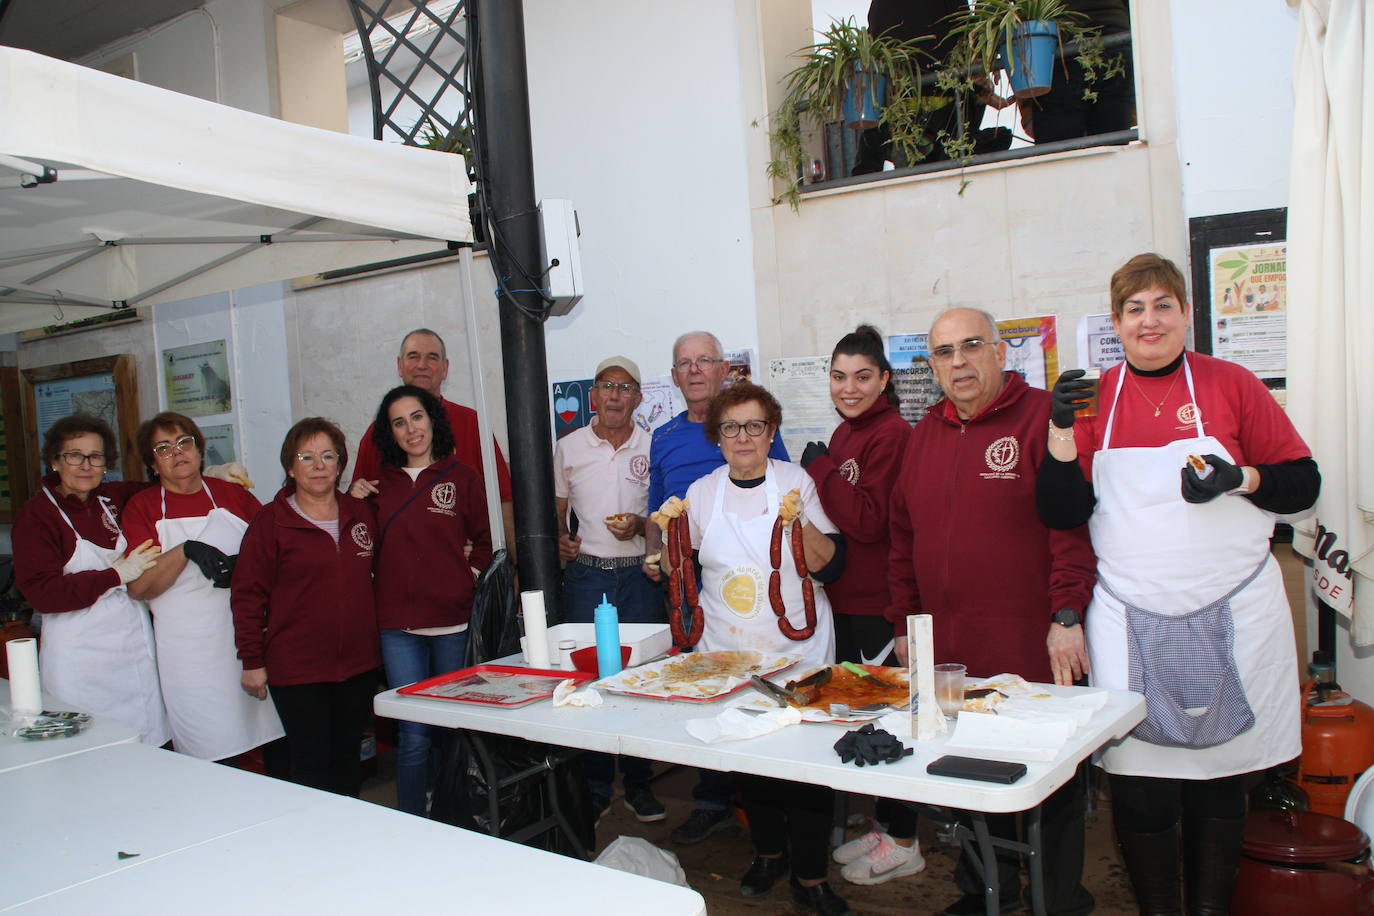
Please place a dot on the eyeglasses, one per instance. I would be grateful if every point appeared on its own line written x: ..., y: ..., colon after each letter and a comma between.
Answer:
x: 622, y: 387
x: 701, y: 364
x: 165, y: 449
x: 309, y: 458
x: 968, y: 349
x: 730, y: 429
x: 76, y: 459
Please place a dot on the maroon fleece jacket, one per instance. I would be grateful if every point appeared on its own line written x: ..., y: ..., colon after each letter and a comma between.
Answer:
x: 303, y: 605
x: 968, y: 546
x: 855, y: 485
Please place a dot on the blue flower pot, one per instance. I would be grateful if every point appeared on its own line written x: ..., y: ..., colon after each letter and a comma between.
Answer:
x: 864, y: 98
x: 1030, y: 58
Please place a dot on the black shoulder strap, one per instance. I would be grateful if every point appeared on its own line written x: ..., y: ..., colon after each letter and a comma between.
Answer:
x: 381, y: 533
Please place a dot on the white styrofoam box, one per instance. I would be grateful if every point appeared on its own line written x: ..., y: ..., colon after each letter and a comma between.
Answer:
x: 647, y: 641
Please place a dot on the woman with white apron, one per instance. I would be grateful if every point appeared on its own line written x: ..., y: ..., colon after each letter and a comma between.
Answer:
x: 789, y: 822
x: 199, y: 523
x: 97, y: 643
x: 1191, y: 461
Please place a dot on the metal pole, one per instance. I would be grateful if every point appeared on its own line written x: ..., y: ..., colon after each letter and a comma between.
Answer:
x: 507, y: 177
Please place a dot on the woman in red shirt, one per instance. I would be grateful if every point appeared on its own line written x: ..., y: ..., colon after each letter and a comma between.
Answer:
x: 430, y: 506
x: 304, y: 618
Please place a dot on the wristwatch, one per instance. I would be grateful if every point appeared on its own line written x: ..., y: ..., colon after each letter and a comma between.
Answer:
x: 1066, y: 617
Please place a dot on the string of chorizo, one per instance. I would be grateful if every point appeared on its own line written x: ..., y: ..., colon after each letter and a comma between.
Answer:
x: 682, y: 580
x: 775, y: 582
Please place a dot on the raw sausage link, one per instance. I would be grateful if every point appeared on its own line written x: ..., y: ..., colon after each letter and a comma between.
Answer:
x: 775, y: 594
x: 689, y: 577
x: 775, y: 545
x: 798, y: 549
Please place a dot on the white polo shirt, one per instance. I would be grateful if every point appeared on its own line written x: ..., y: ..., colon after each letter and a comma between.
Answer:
x: 599, y: 480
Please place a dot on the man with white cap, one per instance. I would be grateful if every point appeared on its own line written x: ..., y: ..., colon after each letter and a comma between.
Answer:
x: 601, y: 484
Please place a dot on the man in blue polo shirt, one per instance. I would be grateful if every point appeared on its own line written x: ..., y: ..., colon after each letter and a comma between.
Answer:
x: 678, y: 456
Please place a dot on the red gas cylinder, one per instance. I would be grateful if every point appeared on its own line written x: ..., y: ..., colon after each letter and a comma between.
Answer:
x: 1337, y: 746
x: 1303, y: 862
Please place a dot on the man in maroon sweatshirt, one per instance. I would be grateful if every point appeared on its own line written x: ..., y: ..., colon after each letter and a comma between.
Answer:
x: 1006, y: 594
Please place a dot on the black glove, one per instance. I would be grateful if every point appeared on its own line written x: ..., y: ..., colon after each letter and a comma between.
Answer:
x: 1071, y: 393
x: 1224, y: 478
x: 870, y: 746
x: 211, y: 561
x: 813, y: 451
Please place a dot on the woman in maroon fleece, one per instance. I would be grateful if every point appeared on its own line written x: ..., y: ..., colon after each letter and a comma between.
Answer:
x: 304, y: 618
x: 429, y: 507
x: 855, y: 477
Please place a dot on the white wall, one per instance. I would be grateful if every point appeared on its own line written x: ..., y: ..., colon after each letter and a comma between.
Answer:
x: 1233, y: 66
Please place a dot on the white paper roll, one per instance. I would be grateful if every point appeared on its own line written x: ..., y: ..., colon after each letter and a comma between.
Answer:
x: 26, y: 694
x: 536, y: 629
x: 920, y: 653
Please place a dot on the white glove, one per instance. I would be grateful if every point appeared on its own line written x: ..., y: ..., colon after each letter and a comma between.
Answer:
x: 232, y: 472
x: 140, y: 560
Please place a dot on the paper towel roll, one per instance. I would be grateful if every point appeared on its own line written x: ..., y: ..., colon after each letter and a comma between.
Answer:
x: 920, y: 653
x: 26, y: 696
x: 536, y: 629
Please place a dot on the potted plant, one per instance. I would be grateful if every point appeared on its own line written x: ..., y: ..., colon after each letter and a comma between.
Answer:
x: 868, y: 80
x: 1023, y: 36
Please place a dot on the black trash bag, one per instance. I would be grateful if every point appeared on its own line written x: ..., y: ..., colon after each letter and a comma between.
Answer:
x: 476, y: 765
x: 492, y: 630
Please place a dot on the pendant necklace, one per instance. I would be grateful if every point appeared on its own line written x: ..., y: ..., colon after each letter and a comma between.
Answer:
x: 1160, y: 406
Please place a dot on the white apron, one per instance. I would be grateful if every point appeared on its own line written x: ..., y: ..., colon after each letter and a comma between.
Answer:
x: 100, y: 659
x: 1177, y: 560
x: 211, y: 717
x: 734, y: 593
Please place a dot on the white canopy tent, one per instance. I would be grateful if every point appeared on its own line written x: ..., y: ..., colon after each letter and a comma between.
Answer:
x: 115, y: 194
x: 1331, y: 278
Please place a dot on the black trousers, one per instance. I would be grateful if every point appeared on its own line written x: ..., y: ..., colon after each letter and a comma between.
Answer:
x: 324, y: 729
x: 789, y: 817
x: 1151, y: 804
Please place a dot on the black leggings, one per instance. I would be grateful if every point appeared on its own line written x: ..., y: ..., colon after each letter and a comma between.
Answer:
x: 1153, y: 804
x: 324, y: 730
x: 790, y: 817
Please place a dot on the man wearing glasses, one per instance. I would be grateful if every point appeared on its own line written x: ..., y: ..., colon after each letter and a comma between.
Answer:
x: 1006, y: 593
x: 679, y: 455
x: 601, y: 474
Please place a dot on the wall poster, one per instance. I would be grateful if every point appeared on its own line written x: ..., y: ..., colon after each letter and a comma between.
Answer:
x: 911, y: 374
x: 1249, y: 323
x: 197, y: 379
x: 802, y: 386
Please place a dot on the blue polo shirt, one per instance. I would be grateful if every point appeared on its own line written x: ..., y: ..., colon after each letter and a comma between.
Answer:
x: 680, y: 454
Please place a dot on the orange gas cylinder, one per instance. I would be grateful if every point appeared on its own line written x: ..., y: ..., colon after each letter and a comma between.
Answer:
x: 1337, y: 746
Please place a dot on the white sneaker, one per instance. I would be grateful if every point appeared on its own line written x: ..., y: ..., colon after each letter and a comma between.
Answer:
x: 884, y: 863
x: 857, y: 849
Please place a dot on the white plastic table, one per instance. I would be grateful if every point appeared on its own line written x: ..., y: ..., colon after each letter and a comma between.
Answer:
x: 655, y: 729
x: 210, y: 839
x: 21, y: 752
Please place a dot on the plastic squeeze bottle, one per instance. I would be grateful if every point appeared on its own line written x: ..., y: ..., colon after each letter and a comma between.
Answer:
x: 607, y: 620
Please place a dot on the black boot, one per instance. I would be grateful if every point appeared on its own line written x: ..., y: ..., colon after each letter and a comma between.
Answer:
x: 1152, y: 862
x: 1211, y: 857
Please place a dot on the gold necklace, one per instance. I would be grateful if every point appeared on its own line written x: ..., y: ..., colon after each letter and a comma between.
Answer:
x: 1160, y: 406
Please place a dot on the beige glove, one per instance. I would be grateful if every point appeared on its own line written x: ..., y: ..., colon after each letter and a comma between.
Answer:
x: 141, y: 559
x: 232, y: 472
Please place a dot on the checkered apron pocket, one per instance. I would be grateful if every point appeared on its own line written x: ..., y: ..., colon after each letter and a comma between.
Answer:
x: 1185, y: 666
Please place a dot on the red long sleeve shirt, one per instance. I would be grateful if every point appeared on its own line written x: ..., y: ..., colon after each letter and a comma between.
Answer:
x: 968, y: 546
x: 422, y: 578
x: 303, y: 606
x: 855, y: 484
x: 43, y: 543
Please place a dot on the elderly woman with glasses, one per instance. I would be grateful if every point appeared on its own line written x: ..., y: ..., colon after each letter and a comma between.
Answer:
x: 304, y: 617
x: 756, y: 595
x: 70, y: 563
x: 198, y: 522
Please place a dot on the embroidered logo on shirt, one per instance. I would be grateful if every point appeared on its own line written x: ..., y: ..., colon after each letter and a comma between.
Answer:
x: 445, y: 495
x: 107, y: 519
x: 362, y: 537
x: 849, y: 470
x: 639, y: 467
x: 1002, y: 455
x: 1187, y: 416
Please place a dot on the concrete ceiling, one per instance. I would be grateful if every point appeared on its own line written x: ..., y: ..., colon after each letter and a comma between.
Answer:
x: 71, y: 29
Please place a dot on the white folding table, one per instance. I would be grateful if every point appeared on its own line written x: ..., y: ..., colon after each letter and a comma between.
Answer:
x: 23, y: 752
x: 655, y: 729
x: 209, y: 839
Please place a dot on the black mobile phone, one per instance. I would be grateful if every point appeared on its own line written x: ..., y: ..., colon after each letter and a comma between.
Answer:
x: 975, y: 768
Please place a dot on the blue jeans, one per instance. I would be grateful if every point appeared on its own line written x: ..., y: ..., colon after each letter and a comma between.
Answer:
x: 409, y: 658
x: 637, y: 600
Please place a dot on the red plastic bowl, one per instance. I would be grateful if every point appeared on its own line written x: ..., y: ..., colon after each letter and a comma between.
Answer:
x: 585, y: 659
